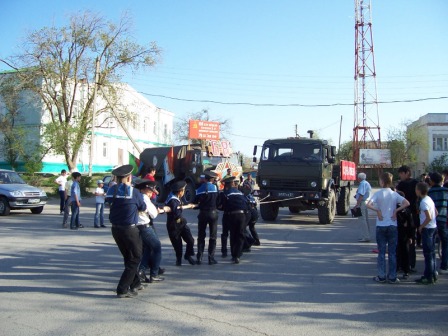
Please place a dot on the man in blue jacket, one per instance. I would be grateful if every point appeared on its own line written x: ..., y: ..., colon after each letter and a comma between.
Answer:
x: 126, y: 202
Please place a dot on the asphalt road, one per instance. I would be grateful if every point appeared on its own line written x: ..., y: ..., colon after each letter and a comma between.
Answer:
x: 305, y: 279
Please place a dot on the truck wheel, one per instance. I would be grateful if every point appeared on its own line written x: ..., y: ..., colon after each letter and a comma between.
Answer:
x: 327, y: 212
x: 269, y: 211
x: 162, y: 190
x: 343, y: 204
x: 37, y: 211
x: 190, y: 193
x: 5, y: 209
x: 294, y: 209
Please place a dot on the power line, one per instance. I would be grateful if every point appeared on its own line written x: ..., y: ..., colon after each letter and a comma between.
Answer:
x: 289, y: 104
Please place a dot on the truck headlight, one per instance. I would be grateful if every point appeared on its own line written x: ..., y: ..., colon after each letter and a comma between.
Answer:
x: 264, y: 183
x: 42, y: 193
x: 17, y: 193
x: 313, y: 184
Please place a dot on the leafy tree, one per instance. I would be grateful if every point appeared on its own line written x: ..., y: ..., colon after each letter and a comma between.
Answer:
x: 404, y: 143
x: 439, y: 163
x: 60, y: 64
x: 345, y: 151
x: 12, y: 144
x: 180, y: 131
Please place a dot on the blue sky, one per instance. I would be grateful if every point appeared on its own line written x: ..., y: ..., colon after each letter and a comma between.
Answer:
x: 270, y: 52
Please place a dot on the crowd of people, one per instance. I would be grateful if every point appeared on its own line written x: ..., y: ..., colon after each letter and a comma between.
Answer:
x: 408, y: 216
x: 133, y: 210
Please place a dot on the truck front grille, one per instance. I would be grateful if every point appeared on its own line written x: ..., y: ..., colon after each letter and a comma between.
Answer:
x: 31, y: 193
x: 285, y: 184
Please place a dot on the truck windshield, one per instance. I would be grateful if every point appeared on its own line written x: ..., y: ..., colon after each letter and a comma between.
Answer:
x: 289, y: 152
x: 10, y: 178
x: 210, y: 161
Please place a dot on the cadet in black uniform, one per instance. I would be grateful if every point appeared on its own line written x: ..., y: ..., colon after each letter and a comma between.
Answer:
x: 206, y: 197
x: 234, y: 205
x: 177, y: 225
x: 126, y: 202
x: 252, y: 218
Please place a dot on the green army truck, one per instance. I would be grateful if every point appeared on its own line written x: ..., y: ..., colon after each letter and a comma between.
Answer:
x: 188, y: 163
x: 301, y: 174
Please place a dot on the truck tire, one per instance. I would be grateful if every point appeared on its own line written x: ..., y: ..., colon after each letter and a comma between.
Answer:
x: 343, y: 203
x: 37, y: 210
x: 294, y: 209
x: 190, y: 193
x: 269, y: 211
x: 162, y: 190
x: 5, y: 209
x: 327, y: 212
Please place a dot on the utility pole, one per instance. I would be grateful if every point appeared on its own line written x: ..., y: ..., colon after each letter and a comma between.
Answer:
x: 92, y: 132
x: 366, y: 130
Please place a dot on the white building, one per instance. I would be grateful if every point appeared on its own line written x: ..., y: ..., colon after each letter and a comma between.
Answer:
x: 435, y: 130
x: 148, y: 125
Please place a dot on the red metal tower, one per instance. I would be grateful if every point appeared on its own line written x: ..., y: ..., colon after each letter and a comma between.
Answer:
x: 366, y: 131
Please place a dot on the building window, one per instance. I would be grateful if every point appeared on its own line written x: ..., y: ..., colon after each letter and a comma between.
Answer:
x: 145, y: 126
x: 155, y: 127
x: 165, y: 130
x: 105, y: 149
x: 440, y: 143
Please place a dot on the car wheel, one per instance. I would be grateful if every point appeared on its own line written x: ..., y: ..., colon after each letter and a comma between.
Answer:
x: 5, y: 209
x: 37, y: 211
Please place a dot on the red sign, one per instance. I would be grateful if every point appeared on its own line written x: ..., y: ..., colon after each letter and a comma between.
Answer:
x: 348, y: 171
x: 206, y: 130
x: 219, y: 148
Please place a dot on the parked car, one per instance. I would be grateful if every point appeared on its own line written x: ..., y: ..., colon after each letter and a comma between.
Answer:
x: 15, y: 194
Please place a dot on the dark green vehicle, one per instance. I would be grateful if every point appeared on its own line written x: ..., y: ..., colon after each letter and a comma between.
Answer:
x: 301, y: 174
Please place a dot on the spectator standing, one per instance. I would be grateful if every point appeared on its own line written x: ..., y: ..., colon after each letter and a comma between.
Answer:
x: 445, y: 177
x: 439, y: 195
x: 407, y: 186
x: 249, y: 183
x: 76, y: 201
x: 362, y: 194
x: 406, y: 235
x: 99, y: 205
x: 384, y: 203
x: 68, y: 201
x: 428, y: 227
x: 150, y: 176
x: 61, y: 181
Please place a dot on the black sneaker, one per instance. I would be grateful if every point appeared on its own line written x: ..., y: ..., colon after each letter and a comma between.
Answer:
x: 424, y: 281
x: 161, y: 270
x: 136, y: 289
x: 129, y: 294
x: 394, y: 281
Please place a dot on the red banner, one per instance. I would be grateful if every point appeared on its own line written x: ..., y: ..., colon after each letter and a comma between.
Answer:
x: 348, y: 171
x: 206, y: 130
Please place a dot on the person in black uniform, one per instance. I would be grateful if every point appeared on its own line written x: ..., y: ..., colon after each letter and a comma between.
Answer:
x: 177, y: 225
x: 206, y: 197
x: 234, y: 205
x: 126, y: 202
x: 407, y: 186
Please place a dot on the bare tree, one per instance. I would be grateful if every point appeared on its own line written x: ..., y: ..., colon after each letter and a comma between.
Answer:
x: 58, y: 64
x: 180, y: 130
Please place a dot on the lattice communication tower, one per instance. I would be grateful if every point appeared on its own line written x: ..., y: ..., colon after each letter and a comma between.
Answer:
x: 366, y: 131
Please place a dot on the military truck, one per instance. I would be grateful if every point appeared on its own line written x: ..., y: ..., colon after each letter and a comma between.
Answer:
x: 301, y: 174
x: 188, y: 163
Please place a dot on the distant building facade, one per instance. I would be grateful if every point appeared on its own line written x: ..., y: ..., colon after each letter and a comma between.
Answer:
x: 149, y: 125
x: 435, y: 130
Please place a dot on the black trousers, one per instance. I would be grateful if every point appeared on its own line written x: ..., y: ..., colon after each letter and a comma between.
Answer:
x: 177, y: 232
x: 210, y: 218
x: 237, y: 226
x: 225, y: 232
x: 252, y: 219
x: 403, y: 249
x: 130, y: 245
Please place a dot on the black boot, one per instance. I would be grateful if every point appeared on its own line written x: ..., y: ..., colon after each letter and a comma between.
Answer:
x: 200, y: 253
x: 211, y: 252
x: 143, y: 277
x: 224, y: 246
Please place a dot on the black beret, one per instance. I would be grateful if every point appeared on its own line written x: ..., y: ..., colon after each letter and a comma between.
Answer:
x: 123, y: 171
x: 176, y: 187
x: 145, y: 183
x: 209, y: 174
x: 228, y: 179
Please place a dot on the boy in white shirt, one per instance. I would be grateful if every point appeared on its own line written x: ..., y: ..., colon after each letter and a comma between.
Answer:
x: 99, y: 200
x: 61, y: 181
x: 428, y: 227
x: 384, y: 203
